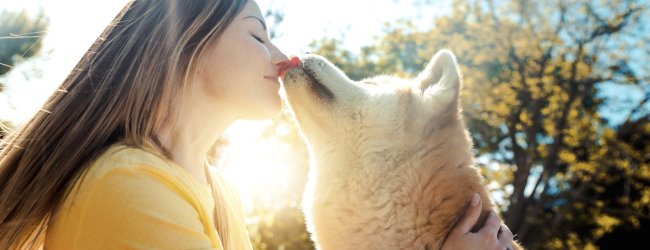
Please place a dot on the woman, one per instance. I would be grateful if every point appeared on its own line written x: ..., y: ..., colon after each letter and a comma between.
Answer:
x: 116, y: 159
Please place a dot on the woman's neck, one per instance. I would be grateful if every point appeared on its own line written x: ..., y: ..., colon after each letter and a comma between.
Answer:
x: 191, y: 140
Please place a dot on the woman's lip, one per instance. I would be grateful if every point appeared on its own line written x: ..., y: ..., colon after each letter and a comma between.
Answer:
x: 273, y: 79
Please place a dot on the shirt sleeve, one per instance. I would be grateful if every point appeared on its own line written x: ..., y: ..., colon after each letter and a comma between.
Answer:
x: 131, y: 209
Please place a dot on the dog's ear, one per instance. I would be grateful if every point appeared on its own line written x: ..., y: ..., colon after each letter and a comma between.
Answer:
x: 440, y: 80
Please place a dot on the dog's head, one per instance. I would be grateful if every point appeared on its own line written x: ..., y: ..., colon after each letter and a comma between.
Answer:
x: 376, y: 113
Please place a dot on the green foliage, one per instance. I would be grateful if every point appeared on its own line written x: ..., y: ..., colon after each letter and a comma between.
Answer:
x: 273, y: 18
x: 20, y: 38
x: 530, y: 97
x: 279, y: 228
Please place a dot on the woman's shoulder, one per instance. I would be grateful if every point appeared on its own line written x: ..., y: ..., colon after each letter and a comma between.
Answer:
x: 125, y: 193
x: 127, y: 168
x: 133, y: 164
x: 122, y: 158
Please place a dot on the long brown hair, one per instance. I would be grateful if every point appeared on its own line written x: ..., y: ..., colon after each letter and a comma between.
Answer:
x: 124, y: 88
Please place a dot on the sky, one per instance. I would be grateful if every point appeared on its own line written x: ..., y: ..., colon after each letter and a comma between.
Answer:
x: 74, y: 25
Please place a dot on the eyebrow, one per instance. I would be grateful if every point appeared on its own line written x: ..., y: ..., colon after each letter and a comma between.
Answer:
x: 258, y: 19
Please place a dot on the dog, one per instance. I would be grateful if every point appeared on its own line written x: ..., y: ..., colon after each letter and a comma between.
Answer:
x: 391, y: 162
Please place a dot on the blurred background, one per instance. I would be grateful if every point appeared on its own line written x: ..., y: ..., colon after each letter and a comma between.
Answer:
x: 556, y: 96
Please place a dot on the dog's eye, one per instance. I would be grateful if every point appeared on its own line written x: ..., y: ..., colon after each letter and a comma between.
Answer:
x: 370, y: 83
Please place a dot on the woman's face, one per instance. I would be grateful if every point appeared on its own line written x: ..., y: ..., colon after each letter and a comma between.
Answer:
x: 240, y: 73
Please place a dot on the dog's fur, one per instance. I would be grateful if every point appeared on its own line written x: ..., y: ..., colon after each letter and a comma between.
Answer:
x: 392, y: 163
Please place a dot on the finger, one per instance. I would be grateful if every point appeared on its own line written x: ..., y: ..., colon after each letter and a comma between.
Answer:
x: 505, y: 235
x: 471, y: 215
x: 492, y: 224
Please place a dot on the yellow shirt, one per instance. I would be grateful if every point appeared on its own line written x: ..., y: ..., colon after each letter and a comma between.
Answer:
x: 133, y: 199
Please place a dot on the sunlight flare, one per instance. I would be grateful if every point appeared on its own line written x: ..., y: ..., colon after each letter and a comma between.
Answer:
x: 263, y: 169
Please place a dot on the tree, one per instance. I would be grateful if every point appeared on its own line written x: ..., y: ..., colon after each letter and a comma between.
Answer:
x: 534, y: 73
x: 20, y: 39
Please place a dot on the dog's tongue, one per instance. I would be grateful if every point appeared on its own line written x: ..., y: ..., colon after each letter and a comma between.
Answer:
x: 293, y: 63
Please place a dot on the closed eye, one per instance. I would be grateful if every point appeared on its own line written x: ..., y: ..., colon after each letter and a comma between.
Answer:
x: 258, y: 39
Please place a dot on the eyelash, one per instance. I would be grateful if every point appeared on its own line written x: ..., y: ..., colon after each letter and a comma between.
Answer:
x: 258, y: 39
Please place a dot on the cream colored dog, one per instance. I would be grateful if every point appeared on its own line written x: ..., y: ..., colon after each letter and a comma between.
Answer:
x: 392, y: 163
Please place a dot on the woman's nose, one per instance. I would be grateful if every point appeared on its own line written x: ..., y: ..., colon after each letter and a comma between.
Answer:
x: 282, y: 63
x: 279, y: 58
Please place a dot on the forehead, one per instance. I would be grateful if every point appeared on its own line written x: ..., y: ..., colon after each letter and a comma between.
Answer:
x: 388, y: 82
x: 388, y: 87
x: 251, y: 9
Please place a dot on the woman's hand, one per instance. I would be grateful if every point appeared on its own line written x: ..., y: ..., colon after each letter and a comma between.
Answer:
x: 493, y: 235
